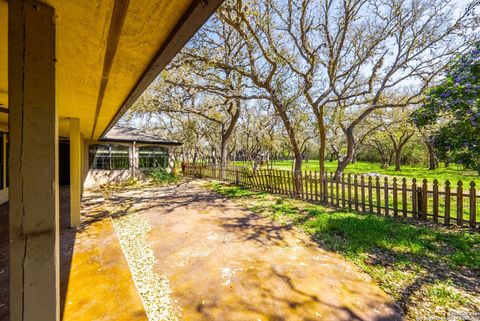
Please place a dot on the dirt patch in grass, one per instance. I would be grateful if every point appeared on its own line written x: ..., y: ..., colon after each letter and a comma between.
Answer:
x: 430, y: 271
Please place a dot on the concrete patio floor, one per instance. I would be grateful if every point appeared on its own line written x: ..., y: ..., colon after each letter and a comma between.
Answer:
x: 214, y: 260
x: 225, y: 263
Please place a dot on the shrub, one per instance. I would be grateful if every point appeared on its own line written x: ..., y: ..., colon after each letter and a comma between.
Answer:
x: 160, y: 175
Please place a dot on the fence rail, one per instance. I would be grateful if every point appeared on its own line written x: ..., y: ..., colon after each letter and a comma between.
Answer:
x: 448, y: 204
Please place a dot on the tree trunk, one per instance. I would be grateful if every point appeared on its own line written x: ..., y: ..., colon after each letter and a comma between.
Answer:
x: 323, y: 140
x: 432, y: 158
x: 226, y: 134
x: 398, y: 154
x: 335, y: 153
x: 447, y: 162
x: 297, y: 174
x: 354, y: 156
x: 195, y: 155
x: 223, y: 157
x: 350, y: 152
x: 391, y: 157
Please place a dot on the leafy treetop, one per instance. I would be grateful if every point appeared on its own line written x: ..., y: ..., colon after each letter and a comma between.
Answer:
x: 454, y: 104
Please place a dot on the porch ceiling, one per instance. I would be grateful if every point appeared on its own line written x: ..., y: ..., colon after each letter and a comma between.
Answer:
x: 108, y: 51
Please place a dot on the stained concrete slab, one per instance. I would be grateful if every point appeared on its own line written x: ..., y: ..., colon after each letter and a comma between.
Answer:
x: 98, y: 283
x: 226, y: 263
x: 95, y: 279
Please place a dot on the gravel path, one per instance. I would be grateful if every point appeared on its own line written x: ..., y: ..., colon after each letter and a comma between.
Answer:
x: 154, y: 289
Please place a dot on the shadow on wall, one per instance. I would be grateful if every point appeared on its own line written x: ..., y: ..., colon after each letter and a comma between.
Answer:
x: 67, y: 241
x: 96, y: 177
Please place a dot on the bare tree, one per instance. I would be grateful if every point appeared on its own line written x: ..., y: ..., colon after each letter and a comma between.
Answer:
x: 407, y: 42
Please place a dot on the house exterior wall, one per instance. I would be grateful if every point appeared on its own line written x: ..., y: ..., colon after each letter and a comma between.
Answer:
x: 97, y: 177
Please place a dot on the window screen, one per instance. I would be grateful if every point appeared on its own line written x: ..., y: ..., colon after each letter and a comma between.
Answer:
x: 152, y: 157
x: 109, y: 157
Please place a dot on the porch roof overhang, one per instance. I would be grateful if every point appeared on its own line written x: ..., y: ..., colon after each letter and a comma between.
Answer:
x: 108, y: 52
x: 127, y: 134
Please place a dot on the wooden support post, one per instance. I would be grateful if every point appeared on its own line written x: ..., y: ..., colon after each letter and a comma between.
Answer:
x: 75, y: 172
x: 34, y: 205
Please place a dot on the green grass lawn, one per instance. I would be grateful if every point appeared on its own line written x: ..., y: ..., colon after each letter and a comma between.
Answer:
x: 428, y: 271
x: 454, y: 172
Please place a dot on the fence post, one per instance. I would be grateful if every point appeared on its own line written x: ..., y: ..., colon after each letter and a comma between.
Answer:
x: 332, y: 195
x: 325, y: 187
x: 435, y: 201
x: 305, y: 185
x: 404, y: 197
x: 395, y: 198
x: 378, y: 196
x: 385, y: 196
x: 349, y: 191
x: 337, y: 193
x: 370, y: 195
x: 447, y: 203
x: 473, y: 205
x: 311, y: 186
x: 355, y: 191
x: 414, y: 199
x: 424, y: 199
x: 460, y: 203
x: 419, y: 203
x: 362, y: 192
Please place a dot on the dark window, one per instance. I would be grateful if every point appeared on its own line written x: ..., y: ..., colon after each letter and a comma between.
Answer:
x: 109, y: 157
x: 152, y: 157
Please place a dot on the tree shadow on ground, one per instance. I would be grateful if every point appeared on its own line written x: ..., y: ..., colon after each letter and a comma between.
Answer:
x: 430, y: 255
x: 290, y: 301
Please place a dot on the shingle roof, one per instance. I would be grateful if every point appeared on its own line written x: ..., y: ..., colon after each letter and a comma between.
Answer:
x: 120, y: 133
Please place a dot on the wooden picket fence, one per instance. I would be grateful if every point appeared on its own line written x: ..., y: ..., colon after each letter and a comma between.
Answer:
x: 445, y: 204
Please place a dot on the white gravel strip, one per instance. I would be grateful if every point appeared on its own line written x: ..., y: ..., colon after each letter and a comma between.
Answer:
x: 154, y: 289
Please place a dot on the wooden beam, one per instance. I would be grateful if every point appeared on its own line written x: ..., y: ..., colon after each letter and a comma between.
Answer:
x: 193, y: 19
x: 119, y: 13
